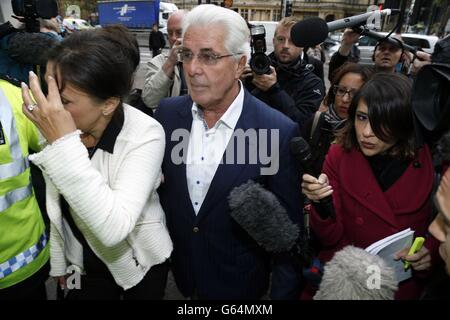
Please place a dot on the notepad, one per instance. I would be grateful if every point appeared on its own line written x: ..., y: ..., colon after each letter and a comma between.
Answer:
x: 387, y: 247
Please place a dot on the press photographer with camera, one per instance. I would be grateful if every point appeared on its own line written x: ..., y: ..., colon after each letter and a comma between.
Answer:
x: 164, y: 73
x: 23, y: 47
x: 283, y: 79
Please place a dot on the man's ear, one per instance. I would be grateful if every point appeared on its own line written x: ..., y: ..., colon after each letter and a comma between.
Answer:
x: 241, y: 66
x: 110, y: 105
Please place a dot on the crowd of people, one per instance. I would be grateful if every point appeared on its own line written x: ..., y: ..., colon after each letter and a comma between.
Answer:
x: 130, y: 197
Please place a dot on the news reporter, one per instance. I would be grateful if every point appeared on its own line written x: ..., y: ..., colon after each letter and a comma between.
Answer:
x: 379, y: 179
x: 320, y: 129
x: 102, y: 166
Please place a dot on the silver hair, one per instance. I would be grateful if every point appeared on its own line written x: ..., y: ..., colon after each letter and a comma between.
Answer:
x: 237, y: 33
x: 346, y: 277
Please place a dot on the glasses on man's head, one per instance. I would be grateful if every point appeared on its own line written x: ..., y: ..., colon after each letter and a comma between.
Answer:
x: 205, y: 57
x: 341, y: 91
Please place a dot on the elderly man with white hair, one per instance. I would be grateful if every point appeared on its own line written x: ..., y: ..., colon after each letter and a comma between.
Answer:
x: 214, y: 257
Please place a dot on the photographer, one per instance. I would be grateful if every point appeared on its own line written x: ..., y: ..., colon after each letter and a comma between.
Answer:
x: 24, y: 49
x: 164, y: 76
x: 387, y: 56
x: 290, y: 86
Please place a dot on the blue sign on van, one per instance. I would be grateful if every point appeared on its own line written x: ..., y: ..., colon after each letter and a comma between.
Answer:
x: 133, y: 14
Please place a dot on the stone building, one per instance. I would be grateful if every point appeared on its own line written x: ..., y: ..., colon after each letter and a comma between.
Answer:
x: 268, y: 10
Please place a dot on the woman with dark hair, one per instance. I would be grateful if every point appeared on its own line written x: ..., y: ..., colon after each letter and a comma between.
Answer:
x: 319, y: 131
x: 380, y: 180
x: 102, y: 166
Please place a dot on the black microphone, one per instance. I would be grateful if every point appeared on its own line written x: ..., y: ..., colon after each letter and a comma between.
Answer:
x: 301, y: 151
x: 258, y: 211
x: 312, y: 31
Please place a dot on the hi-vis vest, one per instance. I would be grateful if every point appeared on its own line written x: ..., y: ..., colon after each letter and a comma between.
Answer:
x: 23, y: 240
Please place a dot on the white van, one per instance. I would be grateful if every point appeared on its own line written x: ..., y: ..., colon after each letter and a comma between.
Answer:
x: 165, y: 10
x: 270, y: 27
x: 73, y: 24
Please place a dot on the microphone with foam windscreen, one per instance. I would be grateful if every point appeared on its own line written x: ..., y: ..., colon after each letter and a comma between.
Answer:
x: 355, y: 274
x: 301, y: 151
x: 31, y: 48
x: 313, y: 31
x: 258, y: 211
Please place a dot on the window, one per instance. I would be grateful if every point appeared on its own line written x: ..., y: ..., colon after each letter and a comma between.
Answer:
x: 367, y: 41
x: 260, y: 15
x: 276, y: 15
x: 245, y: 14
x: 416, y: 42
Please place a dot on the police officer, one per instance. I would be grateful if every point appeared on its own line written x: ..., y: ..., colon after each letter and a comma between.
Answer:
x: 24, y: 250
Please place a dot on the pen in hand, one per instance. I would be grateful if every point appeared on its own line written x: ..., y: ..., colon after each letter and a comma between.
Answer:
x: 416, y: 246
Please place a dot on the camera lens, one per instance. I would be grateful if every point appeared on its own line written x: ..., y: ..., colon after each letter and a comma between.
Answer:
x: 260, y: 63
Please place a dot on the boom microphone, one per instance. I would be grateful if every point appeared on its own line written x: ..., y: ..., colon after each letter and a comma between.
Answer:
x: 301, y: 151
x: 259, y: 212
x: 355, y: 274
x: 312, y: 31
x: 391, y: 40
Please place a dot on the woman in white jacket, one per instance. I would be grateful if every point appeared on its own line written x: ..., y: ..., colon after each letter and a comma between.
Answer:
x: 102, y: 167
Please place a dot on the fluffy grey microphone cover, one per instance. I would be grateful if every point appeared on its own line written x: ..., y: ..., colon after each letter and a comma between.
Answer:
x: 349, y: 276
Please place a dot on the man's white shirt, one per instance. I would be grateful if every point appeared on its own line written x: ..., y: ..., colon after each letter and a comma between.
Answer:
x: 206, y: 148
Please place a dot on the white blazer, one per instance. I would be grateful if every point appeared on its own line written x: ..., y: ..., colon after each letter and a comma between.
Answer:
x: 113, y: 200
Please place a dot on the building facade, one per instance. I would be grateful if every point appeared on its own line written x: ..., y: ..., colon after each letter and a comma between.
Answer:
x: 269, y: 10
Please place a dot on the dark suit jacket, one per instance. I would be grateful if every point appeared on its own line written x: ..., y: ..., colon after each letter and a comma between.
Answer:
x: 213, y: 257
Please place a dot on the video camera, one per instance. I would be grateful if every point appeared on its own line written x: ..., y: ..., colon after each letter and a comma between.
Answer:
x: 259, y: 62
x: 29, y: 11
